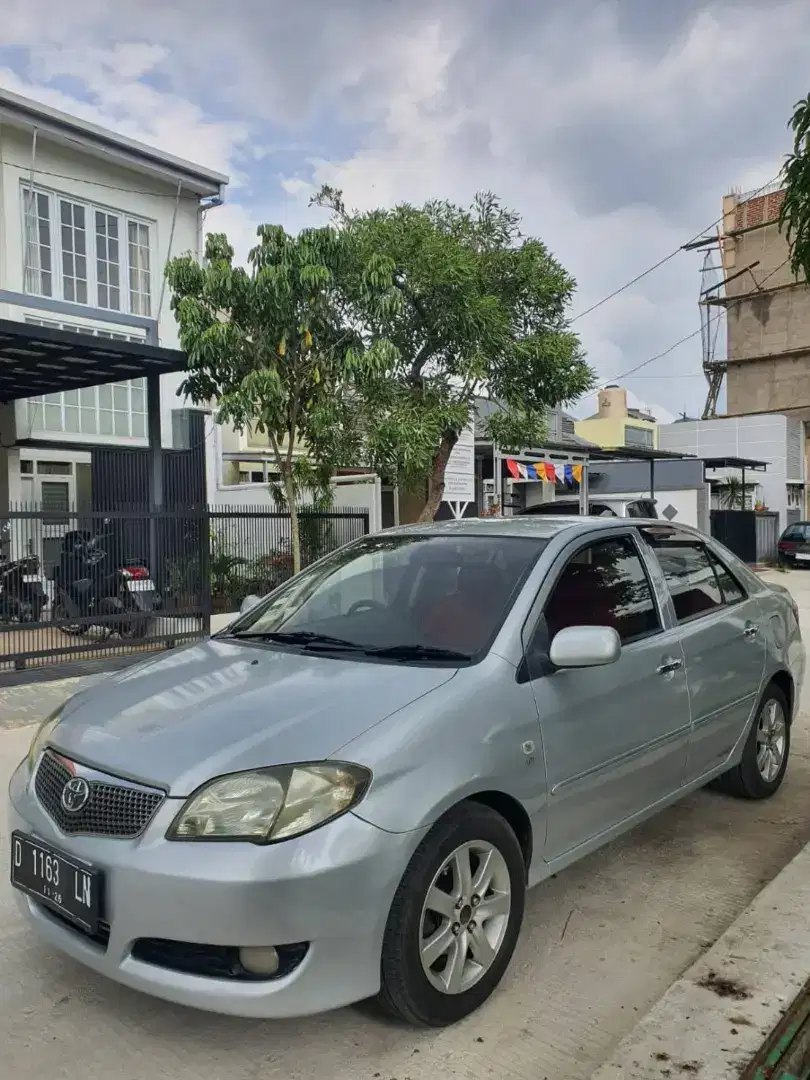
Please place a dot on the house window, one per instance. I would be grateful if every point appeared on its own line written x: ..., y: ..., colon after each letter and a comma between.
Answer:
x: 108, y: 261
x: 74, y: 251
x: 38, y: 275
x: 80, y: 259
x: 638, y: 436
x: 139, y: 268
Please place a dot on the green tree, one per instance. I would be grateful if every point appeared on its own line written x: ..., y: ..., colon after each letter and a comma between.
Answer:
x: 794, y: 215
x: 271, y: 346
x: 474, y: 307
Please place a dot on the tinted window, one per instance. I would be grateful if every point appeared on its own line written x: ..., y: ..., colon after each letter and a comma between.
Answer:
x: 604, y: 584
x: 553, y: 508
x: 440, y: 591
x: 691, y: 578
x: 642, y: 508
x: 797, y: 533
x: 729, y: 586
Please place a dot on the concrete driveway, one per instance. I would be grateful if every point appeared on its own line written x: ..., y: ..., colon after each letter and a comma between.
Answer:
x: 601, y: 943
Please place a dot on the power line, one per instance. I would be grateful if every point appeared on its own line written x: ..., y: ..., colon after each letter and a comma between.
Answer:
x: 96, y: 183
x: 688, y: 337
x: 662, y: 262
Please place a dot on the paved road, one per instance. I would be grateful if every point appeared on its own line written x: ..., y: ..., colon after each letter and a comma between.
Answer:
x: 601, y: 943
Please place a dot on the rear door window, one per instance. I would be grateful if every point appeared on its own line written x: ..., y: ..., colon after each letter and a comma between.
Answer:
x: 697, y: 582
x: 731, y: 589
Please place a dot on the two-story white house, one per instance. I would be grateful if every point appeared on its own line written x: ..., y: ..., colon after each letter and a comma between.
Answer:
x: 88, y: 219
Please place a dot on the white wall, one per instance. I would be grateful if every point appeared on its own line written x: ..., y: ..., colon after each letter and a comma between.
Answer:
x: 87, y: 178
x: 361, y: 496
x: 773, y: 438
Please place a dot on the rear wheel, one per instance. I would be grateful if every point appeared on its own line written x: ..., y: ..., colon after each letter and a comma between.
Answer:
x: 765, y: 757
x: 455, y: 919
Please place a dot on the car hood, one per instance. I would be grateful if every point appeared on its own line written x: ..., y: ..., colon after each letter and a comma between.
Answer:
x: 220, y: 706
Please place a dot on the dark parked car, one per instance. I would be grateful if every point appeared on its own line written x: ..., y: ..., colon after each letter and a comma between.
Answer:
x: 794, y: 544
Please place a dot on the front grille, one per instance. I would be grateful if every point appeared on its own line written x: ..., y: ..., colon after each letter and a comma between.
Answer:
x: 112, y: 810
x: 212, y: 961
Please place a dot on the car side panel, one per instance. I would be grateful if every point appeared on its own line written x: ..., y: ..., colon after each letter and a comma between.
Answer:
x: 725, y: 664
x: 483, y: 735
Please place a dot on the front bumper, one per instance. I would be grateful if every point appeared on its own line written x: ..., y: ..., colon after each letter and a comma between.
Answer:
x: 331, y: 889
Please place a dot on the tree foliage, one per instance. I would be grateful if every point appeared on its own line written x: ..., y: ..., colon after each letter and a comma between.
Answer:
x: 271, y: 344
x: 472, y: 307
x: 794, y: 215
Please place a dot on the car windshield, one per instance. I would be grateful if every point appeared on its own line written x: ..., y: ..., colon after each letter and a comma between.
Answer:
x: 418, y: 598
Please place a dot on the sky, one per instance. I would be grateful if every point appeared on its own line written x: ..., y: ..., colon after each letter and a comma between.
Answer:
x: 614, y: 127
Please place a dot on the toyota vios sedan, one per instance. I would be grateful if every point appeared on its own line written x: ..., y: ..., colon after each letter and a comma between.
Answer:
x: 347, y: 793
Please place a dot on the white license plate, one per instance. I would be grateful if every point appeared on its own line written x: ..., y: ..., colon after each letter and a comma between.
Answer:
x: 802, y: 558
x: 29, y: 578
x: 141, y: 585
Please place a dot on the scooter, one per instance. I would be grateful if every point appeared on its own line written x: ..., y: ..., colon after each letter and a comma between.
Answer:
x: 22, y: 593
x: 91, y: 589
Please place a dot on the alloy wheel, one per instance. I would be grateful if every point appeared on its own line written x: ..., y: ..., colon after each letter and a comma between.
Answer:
x: 465, y: 917
x: 771, y: 740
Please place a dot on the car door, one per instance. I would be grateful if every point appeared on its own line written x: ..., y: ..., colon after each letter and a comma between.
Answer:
x: 723, y: 644
x: 615, y: 738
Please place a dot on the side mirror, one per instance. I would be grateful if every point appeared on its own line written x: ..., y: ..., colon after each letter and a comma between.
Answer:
x: 585, y: 646
x: 249, y: 603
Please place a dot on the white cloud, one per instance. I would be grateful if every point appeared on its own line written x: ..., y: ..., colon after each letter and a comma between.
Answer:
x: 616, y: 140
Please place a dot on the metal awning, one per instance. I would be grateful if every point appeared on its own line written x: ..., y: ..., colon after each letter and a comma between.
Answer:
x: 638, y: 453
x: 38, y: 360
x: 735, y: 463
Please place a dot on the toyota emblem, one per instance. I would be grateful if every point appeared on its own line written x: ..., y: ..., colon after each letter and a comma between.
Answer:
x: 75, y: 794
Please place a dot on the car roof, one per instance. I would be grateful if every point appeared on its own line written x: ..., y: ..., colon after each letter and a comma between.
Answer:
x: 533, y: 525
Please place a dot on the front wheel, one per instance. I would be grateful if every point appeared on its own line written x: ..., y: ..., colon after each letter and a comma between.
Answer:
x: 455, y: 919
x: 765, y: 757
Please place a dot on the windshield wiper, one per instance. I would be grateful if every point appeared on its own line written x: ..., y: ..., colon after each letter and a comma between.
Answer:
x: 307, y: 638
x: 419, y: 652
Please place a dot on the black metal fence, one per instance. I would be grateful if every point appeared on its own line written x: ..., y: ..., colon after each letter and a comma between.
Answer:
x: 79, y: 586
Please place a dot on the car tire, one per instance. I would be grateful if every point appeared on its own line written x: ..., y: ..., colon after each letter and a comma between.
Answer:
x: 759, y: 774
x: 430, y: 990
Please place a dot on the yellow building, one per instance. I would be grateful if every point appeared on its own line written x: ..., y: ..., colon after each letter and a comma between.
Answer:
x: 616, y: 425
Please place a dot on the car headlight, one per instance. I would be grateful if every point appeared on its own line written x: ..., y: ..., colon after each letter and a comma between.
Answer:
x: 41, y: 736
x: 267, y: 805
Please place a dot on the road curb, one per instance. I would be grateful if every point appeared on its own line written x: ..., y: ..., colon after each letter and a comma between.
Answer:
x: 713, y: 1020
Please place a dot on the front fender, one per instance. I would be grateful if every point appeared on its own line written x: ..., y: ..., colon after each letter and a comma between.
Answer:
x: 478, y: 732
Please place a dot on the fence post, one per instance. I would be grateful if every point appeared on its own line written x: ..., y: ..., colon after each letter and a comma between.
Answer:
x: 205, y: 567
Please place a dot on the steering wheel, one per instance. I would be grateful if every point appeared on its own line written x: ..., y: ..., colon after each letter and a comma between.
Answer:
x: 365, y: 605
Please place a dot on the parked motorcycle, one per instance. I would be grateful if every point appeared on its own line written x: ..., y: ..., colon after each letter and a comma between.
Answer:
x: 22, y: 593
x: 96, y: 586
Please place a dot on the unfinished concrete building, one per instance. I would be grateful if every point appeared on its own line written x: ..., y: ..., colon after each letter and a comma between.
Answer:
x: 767, y: 312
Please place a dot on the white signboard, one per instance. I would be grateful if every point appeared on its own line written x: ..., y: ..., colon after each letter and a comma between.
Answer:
x: 459, y: 476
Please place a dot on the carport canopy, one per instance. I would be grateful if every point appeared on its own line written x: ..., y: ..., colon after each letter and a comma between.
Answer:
x: 731, y: 462
x: 38, y: 360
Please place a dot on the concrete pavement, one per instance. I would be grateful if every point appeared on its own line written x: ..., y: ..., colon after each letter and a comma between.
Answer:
x: 601, y: 944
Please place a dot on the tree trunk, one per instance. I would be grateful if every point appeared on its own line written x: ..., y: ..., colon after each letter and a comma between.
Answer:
x: 295, y: 535
x: 436, y: 478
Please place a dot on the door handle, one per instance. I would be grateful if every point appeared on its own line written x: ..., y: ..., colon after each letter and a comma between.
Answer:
x: 669, y: 666
x: 751, y: 631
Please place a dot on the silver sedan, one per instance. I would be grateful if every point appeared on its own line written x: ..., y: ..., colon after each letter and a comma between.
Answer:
x: 347, y: 793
